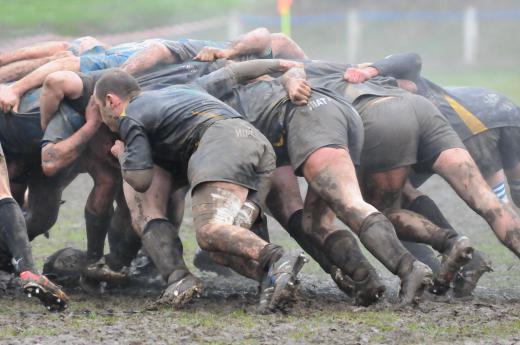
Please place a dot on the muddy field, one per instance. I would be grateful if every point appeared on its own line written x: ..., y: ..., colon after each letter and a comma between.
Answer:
x: 226, y: 311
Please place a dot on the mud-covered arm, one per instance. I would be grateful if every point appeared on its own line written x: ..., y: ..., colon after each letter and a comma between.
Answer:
x: 56, y: 87
x: 10, y: 99
x: 222, y: 81
x: 154, y: 55
x: 134, y: 155
x: 296, y: 84
x: 400, y: 66
x: 59, y: 155
x: 255, y: 43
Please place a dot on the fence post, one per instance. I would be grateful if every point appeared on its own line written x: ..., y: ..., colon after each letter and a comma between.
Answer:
x: 353, y: 27
x: 234, y: 25
x: 470, y: 35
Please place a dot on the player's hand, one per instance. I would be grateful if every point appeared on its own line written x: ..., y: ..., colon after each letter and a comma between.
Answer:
x: 9, y: 100
x: 355, y: 75
x: 286, y: 65
x: 118, y: 148
x: 299, y: 90
x: 92, y: 114
x: 212, y: 54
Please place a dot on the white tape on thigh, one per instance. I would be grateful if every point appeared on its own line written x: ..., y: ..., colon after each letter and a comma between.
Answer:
x: 227, y: 210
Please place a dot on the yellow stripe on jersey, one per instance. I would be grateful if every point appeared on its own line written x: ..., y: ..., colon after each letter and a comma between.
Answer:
x: 472, y: 122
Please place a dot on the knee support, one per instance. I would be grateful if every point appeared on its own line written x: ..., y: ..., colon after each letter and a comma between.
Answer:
x: 214, y: 205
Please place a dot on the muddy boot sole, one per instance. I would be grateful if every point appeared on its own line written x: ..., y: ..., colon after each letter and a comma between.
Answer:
x: 343, y: 282
x: 51, y: 300
x: 100, y: 272
x: 285, y: 285
x: 467, y: 278
x: 413, y: 286
x: 181, y: 292
x: 459, y: 255
x: 370, y: 290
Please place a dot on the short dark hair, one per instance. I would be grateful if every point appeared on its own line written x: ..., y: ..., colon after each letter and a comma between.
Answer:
x: 118, y: 82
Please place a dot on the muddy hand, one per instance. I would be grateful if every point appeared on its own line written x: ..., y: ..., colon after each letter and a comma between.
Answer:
x: 299, y: 91
x: 355, y: 75
x: 9, y: 100
x: 211, y: 54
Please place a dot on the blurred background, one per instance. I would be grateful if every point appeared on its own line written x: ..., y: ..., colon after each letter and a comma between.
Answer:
x: 462, y: 42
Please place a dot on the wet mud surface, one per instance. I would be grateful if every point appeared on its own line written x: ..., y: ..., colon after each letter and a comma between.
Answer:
x: 226, y: 312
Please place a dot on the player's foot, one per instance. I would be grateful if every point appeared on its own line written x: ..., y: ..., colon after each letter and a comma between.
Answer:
x: 413, y: 285
x: 278, y: 288
x: 181, y: 291
x: 466, y: 279
x: 364, y: 292
x: 46, y: 291
x: 460, y: 254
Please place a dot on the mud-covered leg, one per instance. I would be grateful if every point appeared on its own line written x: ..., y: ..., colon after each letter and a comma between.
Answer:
x: 457, y: 250
x: 466, y: 279
x: 160, y: 238
x: 330, y: 172
x: 215, y: 206
x: 458, y: 168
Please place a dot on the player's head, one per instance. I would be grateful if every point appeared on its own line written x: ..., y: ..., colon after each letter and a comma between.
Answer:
x: 112, y: 93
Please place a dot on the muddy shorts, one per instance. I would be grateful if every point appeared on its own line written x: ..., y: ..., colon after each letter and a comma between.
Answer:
x: 324, y: 122
x: 65, y: 123
x: 232, y: 151
x: 495, y: 149
x: 402, y: 131
x: 96, y: 62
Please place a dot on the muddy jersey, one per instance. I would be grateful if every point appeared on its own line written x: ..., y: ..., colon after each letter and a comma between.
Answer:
x: 165, y: 126
x: 21, y: 133
x: 470, y: 111
x: 187, y: 49
x: 177, y: 74
x: 328, y: 78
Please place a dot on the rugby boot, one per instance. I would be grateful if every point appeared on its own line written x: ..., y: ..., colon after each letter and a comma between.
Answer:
x: 279, y: 285
x: 460, y: 254
x: 46, y: 291
x: 101, y: 272
x: 364, y: 292
x: 414, y: 283
x: 466, y: 279
x: 182, y: 287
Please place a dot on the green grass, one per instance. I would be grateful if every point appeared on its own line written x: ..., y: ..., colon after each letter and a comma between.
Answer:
x: 502, y: 80
x: 98, y: 16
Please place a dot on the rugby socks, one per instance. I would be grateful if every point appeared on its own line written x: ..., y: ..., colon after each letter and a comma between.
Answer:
x: 13, y: 233
x: 427, y: 208
x: 514, y: 188
x: 163, y: 245
x: 296, y: 231
x: 342, y: 248
x: 500, y: 191
x: 269, y: 255
x: 97, y: 228
x: 378, y: 235
x: 123, y: 241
